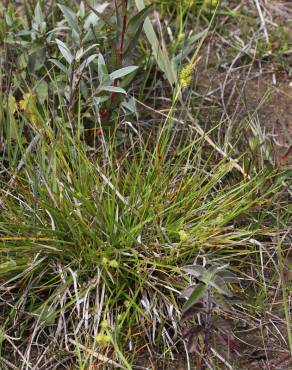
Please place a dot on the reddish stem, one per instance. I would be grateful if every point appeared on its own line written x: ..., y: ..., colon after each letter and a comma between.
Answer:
x: 120, y: 55
x: 123, y: 33
x: 120, y: 50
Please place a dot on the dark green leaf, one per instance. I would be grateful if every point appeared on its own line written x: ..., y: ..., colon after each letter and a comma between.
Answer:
x: 135, y: 27
x: 228, y: 276
x: 197, y: 294
x: 219, y: 284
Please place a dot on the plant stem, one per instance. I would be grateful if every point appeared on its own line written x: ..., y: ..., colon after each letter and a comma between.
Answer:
x: 207, y: 330
x: 120, y: 47
x: 123, y: 32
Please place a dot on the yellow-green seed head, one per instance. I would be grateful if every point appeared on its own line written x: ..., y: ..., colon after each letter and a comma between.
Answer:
x: 104, y: 324
x: 105, y: 261
x: 185, y: 76
x: 114, y: 264
x: 103, y: 339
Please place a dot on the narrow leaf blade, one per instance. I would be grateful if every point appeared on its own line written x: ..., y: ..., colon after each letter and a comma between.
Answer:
x: 122, y: 72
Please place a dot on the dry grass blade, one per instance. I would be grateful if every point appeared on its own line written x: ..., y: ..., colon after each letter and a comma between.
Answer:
x: 105, y: 360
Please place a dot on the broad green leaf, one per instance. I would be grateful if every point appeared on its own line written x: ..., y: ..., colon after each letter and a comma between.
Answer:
x: 207, y: 277
x: 122, y: 72
x: 197, y: 294
x: 65, y: 51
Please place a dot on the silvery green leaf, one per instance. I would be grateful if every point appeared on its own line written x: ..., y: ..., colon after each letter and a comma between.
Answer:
x: 97, y: 100
x: 89, y: 48
x: 38, y: 15
x: 43, y: 27
x: 75, y: 38
x: 65, y: 51
x: 93, y: 19
x: 87, y: 61
x: 215, y: 268
x: 102, y: 69
x: 194, y: 270
x: 114, y: 89
x: 70, y: 17
x: 135, y: 27
x: 79, y: 54
x: 59, y: 65
x: 58, y: 29
x: 23, y: 33
x: 8, y: 20
x: 122, y: 72
x: 130, y: 105
x: 81, y: 11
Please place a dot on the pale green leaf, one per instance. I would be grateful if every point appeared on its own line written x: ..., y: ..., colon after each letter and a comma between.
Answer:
x: 65, y: 51
x: 122, y: 72
x: 114, y: 89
